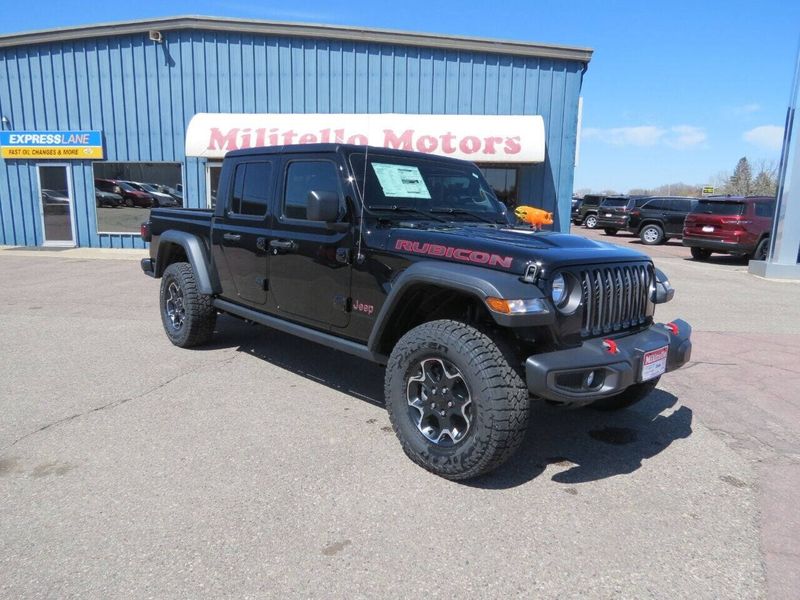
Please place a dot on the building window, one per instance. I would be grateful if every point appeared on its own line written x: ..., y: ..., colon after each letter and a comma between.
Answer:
x: 504, y: 182
x: 125, y: 192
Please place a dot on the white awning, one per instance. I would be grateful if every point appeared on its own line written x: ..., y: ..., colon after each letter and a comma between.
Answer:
x: 478, y: 138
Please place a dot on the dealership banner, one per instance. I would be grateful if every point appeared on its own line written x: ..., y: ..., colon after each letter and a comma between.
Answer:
x: 75, y: 145
x: 478, y: 138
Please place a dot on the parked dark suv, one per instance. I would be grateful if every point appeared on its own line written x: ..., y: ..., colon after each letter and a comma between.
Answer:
x: 585, y: 213
x: 660, y: 218
x: 614, y: 211
x: 730, y: 225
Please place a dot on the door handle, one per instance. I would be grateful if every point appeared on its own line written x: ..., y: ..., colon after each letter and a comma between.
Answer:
x: 283, y: 245
x: 231, y: 237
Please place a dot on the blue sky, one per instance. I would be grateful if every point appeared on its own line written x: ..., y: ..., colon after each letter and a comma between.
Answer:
x: 676, y: 91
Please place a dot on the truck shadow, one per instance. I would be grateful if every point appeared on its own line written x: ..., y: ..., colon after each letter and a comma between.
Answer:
x: 577, y: 446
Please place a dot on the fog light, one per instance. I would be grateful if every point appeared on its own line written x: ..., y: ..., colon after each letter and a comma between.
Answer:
x: 589, y: 380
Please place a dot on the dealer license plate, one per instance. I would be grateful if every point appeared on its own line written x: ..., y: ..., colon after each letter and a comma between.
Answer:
x: 708, y: 229
x: 654, y: 363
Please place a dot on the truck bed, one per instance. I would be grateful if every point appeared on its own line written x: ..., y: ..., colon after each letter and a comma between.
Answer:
x: 190, y: 220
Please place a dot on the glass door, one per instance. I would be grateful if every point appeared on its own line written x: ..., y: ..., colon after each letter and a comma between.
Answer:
x: 56, y: 197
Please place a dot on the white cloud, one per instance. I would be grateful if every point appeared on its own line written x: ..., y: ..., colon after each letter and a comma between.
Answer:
x: 678, y: 136
x: 686, y: 136
x: 767, y: 137
x: 643, y: 135
x: 743, y: 109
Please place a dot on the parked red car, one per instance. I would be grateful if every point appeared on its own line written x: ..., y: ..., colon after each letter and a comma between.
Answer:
x: 130, y: 195
x: 730, y: 225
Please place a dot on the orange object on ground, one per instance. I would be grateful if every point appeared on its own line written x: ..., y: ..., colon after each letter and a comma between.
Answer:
x: 534, y: 216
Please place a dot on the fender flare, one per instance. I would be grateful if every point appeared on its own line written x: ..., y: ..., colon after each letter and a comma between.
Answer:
x: 478, y: 282
x: 196, y: 253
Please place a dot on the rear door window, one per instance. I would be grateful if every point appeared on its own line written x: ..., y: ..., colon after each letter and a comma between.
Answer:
x: 765, y: 209
x: 252, y: 184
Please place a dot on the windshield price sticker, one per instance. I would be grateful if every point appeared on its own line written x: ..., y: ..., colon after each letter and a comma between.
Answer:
x: 401, y: 181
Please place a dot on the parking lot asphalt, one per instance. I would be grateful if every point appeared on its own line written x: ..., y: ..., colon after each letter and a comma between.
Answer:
x: 265, y: 466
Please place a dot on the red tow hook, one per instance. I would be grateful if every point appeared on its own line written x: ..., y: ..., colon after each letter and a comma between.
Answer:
x: 673, y: 328
x: 611, y: 346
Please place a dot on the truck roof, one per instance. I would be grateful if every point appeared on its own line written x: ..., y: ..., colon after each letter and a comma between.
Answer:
x: 334, y: 148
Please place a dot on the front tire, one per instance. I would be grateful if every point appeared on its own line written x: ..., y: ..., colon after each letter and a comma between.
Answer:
x: 455, y: 403
x: 700, y: 253
x: 651, y: 235
x: 187, y: 315
x: 629, y: 397
x: 590, y: 221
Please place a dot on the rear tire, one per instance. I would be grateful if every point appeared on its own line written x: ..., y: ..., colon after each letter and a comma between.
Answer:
x: 609, y: 231
x: 187, y: 315
x: 635, y: 393
x: 700, y: 253
x: 761, y: 250
x: 590, y: 221
x: 651, y: 235
x: 452, y: 368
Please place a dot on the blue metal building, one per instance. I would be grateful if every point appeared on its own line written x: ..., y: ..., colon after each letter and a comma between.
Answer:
x: 139, y: 84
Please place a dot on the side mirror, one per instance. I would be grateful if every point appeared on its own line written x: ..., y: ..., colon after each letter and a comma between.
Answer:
x: 663, y: 291
x: 322, y: 206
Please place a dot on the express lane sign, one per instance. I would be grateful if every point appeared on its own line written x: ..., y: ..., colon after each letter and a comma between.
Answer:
x: 61, y: 145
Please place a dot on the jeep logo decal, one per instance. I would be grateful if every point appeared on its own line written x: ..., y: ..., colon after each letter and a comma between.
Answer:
x: 462, y: 254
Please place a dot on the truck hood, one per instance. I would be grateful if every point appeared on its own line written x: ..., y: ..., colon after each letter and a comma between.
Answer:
x: 507, y: 249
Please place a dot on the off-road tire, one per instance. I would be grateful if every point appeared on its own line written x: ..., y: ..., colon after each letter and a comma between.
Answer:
x: 700, y: 253
x: 200, y: 316
x: 652, y: 235
x: 500, y: 399
x: 590, y: 221
x: 610, y: 231
x: 629, y: 397
x: 760, y: 253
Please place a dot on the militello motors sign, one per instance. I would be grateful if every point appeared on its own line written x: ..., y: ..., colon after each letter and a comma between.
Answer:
x: 478, y: 138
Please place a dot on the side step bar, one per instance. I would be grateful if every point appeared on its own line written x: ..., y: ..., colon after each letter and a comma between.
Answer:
x: 320, y: 337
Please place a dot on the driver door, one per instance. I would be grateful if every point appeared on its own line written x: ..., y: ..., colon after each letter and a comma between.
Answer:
x: 310, y: 262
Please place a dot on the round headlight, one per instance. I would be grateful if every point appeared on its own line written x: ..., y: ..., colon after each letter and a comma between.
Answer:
x: 558, y: 290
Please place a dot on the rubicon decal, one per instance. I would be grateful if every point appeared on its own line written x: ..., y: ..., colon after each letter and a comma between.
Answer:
x: 463, y: 254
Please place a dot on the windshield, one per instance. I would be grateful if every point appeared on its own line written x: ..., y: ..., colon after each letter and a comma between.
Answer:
x: 424, y: 184
x: 615, y: 202
x: 126, y: 187
x: 720, y: 208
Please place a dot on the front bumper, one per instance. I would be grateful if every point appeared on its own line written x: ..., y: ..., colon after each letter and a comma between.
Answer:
x: 560, y: 376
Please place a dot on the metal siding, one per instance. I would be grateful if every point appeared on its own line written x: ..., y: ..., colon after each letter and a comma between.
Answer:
x: 142, y: 96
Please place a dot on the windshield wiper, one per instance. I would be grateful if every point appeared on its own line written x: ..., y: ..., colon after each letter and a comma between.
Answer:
x: 462, y: 211
x: 406, y: 209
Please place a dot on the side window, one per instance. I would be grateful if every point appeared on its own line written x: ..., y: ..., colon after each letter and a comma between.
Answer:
x: 252, y: 183
x: 764, y: 209
x: 303, y: 177
x: 655, y: 205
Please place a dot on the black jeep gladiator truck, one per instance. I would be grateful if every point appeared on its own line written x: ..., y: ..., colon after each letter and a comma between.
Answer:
x: 409, y: 260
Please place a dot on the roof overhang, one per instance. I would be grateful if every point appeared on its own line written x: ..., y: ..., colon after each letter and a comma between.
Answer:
x: 307, y: 30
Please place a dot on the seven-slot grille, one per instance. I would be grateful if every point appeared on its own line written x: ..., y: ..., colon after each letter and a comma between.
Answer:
x: 614, y: 298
